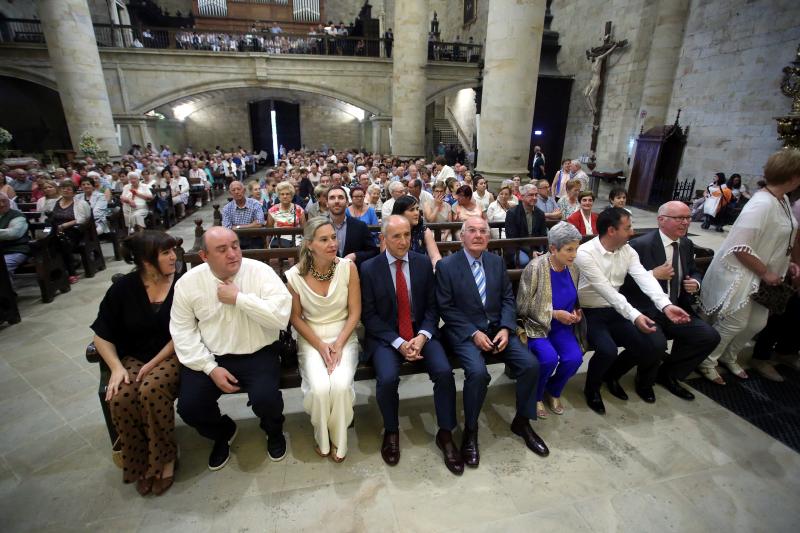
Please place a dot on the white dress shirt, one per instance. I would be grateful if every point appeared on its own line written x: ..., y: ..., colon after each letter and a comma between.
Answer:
x: 407, y: 273
x: 603, y: 273
x: 202, y: 326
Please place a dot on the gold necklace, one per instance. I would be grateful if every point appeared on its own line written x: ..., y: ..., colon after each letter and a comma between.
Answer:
x: 322, y: 277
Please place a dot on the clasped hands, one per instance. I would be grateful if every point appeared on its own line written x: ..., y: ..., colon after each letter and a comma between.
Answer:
x: 411, y: 350
x: 331, y: 354
x: 665, y: 272
x: 567, y: 318
x: 485, y: 344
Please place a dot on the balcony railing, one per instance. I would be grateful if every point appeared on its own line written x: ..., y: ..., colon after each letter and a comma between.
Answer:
x: 117, y: 36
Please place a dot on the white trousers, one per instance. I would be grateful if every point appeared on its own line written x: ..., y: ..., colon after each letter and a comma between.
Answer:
x: 328, y: 398
x: 735, y: 330
x: 134, y: 216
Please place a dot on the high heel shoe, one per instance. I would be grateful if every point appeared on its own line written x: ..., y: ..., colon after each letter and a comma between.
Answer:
x: 735, y: 369
x: 554, y: 404
x: 540, y: 411
x: 335, y: 457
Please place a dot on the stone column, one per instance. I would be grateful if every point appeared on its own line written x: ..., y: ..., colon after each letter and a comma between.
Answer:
x: 409, y: 56
x: 511, y: 67
x: 380, y: 134
x: 67, y: 26
x: 662, y: 62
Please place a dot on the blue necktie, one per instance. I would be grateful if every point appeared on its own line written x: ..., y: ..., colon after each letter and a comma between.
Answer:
x: 480, y: 280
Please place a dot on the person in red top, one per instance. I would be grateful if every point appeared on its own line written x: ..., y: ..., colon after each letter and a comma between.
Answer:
x: 583, y: 218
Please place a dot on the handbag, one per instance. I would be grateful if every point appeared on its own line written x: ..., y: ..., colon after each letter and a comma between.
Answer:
x: 287, y: 347
x: 774, y: 297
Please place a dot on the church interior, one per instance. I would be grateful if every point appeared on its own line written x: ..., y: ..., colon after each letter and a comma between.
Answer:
x: 650, y: 99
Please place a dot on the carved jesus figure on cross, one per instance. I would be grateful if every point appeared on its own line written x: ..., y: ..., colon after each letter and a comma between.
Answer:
x: 598, y: 57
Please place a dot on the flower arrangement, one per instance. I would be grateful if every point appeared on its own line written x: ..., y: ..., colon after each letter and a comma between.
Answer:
x: 5, y: 136
x: 88, y: 144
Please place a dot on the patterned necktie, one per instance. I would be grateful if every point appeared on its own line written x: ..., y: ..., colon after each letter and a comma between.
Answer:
x: 480, y: 280
x: 675, y: 281
x: 403, y: 304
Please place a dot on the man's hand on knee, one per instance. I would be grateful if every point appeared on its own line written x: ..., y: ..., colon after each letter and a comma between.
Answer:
x: 224, y: 380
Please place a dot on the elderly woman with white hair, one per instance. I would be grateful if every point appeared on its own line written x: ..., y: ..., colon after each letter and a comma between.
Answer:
x: 547, y: 310
x: 134, y: 198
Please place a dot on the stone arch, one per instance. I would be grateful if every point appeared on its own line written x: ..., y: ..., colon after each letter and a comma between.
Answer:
x: 188, y: 91
x: 448, y: 89
x: 11, y: 71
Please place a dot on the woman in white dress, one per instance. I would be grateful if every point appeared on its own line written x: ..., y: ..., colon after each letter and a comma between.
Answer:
x: 482, y: 196
x: 326, y: 306
x: 496, y: 212
x: 757, y: 250
x: 134, y: 200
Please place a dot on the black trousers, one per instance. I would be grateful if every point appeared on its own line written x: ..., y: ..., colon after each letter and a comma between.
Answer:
x: 258, y: 375
x: 606, y: 331
x: 691, y: 344
x: 780, y: 333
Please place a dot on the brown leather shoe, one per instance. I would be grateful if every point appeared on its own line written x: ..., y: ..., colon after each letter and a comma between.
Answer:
x: 390, y: 449
x: 469, y: 448
x: 452, y: 457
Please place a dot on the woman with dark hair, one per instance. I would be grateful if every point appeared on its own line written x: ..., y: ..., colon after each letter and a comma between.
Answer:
x: 66, y: 215
x: 738, y: 191
x: 360, y: 209
x: 718, y: 196
x: 584, y: 218
x: 465, y: 206
x: 422, y: 239
x: 132, y: 336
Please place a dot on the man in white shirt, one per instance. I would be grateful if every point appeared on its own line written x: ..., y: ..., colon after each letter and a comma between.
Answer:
x: 604, y: 262
x: 227, y: 315
x: 396, y: 190
x: 443, y: 171
x: 580, y: 175
x: 424, y: 198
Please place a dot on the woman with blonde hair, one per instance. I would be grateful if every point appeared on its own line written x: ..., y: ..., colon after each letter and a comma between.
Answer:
x: 326, y: 306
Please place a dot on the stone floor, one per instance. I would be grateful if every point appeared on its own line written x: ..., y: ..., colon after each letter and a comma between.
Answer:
x: 672, y: 466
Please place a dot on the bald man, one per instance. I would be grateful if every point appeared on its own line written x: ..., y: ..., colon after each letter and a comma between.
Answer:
x: 226, y: 318
x: 669, y: 256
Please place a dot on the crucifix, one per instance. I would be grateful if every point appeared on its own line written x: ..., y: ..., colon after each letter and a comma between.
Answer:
x: 593, y: 93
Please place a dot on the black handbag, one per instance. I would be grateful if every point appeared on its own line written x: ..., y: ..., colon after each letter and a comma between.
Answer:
x: 287, y: 347
x: 774, y: 297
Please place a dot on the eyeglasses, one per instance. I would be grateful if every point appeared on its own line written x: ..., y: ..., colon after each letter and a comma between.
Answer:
x: 681, y: 219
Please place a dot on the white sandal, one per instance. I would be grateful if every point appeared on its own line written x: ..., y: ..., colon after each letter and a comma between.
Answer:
x: 711, y: 375
x: 735, y: 369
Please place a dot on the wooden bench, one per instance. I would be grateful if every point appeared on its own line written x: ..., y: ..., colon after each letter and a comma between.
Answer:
x: 9, y: 312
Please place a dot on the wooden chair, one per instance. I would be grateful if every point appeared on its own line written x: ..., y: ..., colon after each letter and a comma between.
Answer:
x: 9, y: 312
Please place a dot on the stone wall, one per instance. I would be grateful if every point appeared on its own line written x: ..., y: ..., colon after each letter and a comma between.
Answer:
x: 19, y: 10
x: 225, y: 124
x: 169, y: 132
x: 451, y: 20
x: 728, y: 83
x: 328, y: 125
x: 460, y: 107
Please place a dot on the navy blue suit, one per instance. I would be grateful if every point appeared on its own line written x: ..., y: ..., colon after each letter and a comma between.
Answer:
x: 358, y: 240
x: 463, y: 314
x: 379, y: 315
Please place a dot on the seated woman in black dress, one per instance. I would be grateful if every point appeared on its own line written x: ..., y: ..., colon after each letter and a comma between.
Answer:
x: 67, y: 214
x: 132, y: 336
x: 422, y: 239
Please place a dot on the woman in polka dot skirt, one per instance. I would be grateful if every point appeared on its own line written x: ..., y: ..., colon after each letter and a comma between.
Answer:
x: 132, y: 336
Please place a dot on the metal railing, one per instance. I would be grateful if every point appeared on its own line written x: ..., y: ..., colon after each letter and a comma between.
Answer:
x: 120, y: 36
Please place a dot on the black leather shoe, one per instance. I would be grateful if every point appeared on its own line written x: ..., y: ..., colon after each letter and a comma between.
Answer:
x: 616, y: 389
x: 595, y: 402
x: 646, y: 393
x: 390, y: 449
x: 469, y: 448
x: 276, y: 447
x: 672, y: 385
x: 522, y: 427
x: 452, y: 457
x: 221, y: 452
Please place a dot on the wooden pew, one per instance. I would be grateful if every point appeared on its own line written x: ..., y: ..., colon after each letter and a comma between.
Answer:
x: 47, y: 265
x: 9, y: 312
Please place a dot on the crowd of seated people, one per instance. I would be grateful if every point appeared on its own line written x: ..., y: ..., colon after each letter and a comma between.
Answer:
x: 608, y: 293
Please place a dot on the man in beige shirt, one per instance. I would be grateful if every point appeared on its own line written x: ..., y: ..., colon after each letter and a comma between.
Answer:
x: 226, y: 317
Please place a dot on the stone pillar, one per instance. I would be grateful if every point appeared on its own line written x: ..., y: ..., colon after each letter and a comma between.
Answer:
x: 662, y: 62
x: 409, y: 57
x: 511, y: 67
x: 67, y: 26
x: 380, y: 134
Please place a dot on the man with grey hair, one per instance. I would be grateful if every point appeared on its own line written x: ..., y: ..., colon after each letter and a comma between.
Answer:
x: 13, y: 235
x: 396, y: 190
x: 580, y: 175
x: 525, y: 220
x: 669, y: 256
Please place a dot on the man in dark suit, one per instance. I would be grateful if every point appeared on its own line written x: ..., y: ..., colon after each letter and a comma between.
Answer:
x: 398, y: 305
x: 479, y: 310
x: 669, y: 255
x: 355, y: 240
x: 525, y: 220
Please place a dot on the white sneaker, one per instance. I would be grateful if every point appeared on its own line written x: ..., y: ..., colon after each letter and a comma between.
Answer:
x: 766, y: 370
